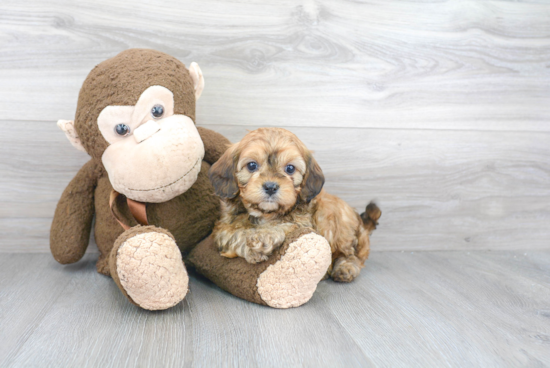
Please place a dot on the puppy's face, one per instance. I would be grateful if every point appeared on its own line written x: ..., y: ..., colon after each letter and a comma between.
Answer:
x: 270, y: 170
x: 269, y: 175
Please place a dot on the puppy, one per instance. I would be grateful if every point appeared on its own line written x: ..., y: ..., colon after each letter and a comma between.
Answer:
x: 270, y: 185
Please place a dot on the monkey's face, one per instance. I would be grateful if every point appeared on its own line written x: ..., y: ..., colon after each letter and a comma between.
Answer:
x: 135, y: 113
x: 153, y: 155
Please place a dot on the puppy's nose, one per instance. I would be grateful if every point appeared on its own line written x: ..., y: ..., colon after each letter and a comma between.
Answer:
x: 271, y: 187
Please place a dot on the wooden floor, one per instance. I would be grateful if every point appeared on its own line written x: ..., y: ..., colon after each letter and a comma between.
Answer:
x: 423, y: 309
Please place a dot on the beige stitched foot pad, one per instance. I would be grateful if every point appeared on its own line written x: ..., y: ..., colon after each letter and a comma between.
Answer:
x: 151, y: 271
x: 291, y: 281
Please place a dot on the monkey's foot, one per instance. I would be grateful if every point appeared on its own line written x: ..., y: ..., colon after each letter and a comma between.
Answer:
x: 147, y: 266
x: 292, y: 280
x: 287, y: 279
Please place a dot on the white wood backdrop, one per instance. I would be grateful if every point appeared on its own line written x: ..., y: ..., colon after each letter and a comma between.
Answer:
x: 439, y: 110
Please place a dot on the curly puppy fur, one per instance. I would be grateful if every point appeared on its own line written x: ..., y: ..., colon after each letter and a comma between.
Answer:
x: 270, y: 185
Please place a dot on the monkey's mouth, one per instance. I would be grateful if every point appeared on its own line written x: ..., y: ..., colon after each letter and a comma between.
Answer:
x: 172, y: 183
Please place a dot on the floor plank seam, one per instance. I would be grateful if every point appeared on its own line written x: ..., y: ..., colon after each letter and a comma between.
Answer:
x: 469, y: 129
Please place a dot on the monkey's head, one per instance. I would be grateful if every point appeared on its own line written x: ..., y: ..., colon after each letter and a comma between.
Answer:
x: 136, y: 115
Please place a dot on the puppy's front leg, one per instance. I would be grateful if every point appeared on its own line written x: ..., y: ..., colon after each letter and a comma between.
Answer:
x: 264, y: 239
x: 261, y: 242
x: 230, y: 238
x: 252, y: 243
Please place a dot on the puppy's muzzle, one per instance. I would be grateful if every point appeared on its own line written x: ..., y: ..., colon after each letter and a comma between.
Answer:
x: 270, y: 188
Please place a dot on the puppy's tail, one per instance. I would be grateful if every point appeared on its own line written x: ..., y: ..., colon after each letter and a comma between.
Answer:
x: 371, y: 216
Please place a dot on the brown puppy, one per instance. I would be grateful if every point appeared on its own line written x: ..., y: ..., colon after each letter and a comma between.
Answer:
x: 270, y: 185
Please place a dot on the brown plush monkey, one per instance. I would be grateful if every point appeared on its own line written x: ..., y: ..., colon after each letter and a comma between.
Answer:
x: 135, y: 118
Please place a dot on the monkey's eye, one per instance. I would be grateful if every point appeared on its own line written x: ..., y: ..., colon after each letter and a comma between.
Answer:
x: 157, y: 111
x: 122, y: 129
x: 252, y: 166
x: 289, y: 169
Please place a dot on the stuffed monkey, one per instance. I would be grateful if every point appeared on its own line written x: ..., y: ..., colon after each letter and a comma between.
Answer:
x: 147, y: 186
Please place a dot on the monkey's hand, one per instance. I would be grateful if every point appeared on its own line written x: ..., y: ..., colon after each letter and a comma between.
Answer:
x: 72, y: 222
x: 215, y: 144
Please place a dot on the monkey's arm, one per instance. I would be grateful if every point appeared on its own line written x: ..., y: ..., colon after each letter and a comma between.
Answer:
x: 215, y: 144
x: 72, y: 222
x: 287, y: 279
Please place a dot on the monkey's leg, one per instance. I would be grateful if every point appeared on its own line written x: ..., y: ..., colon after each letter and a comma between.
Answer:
x: 146, y: 265
x: 287, y: 279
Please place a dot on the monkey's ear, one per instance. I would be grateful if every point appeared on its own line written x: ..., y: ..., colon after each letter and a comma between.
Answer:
x: 198, y: 79
x: 68, y: 127
x: 313, y: 181
x: 222, y: 175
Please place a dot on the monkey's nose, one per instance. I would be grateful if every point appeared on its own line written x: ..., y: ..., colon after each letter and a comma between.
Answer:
x: 146, y: 130
x: 271, y: 187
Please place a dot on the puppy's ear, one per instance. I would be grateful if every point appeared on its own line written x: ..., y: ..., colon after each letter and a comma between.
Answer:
x: 313, y: 181
x: 222, y: 174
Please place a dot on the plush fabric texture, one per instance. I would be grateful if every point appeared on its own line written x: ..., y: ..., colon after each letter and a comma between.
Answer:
x: 159, y: 168
x: 189, y: 217
x: 292, y: 280
x: 110, y: 261
x: 215, y: 145
x: 143, y: 260
x: 146, y: 131
x: 67, y: 126
x: 240, y: 278
x: 198, y: 79
x: 120, y: 81
x: 72, y: 222
x: 147, y: 266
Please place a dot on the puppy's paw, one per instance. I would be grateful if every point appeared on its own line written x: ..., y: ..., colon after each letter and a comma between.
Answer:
x: 254, y: 256
x: 345, y: 270
x: 265, y: 241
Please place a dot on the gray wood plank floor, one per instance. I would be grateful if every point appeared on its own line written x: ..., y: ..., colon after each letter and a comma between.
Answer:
x: 439, y: 309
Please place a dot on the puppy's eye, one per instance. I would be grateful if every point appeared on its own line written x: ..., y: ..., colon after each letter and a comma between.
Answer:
x: 122, y: 129
x: 252, y: 166
x: 157, y: 111
x: 289, y: 169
